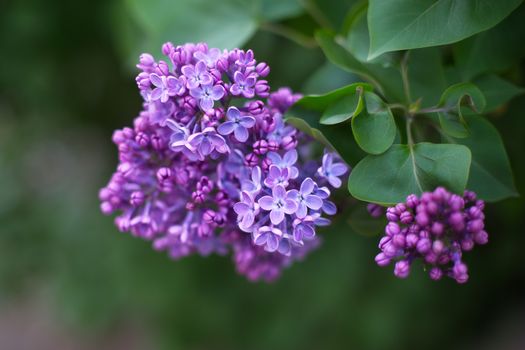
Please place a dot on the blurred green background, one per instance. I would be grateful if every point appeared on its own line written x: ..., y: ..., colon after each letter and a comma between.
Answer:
x: 70, y: 280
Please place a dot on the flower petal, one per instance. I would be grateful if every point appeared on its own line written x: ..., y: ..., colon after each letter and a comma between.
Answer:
x: 156, y: 80
x: 233, y: 113
x: 247, y: 121
x: 307, y: 186
x: 206, y: 103
x: 290, y: 157
x: 266, y: 202
x: 338, y: 169
x: 217, y: 92
x: 334, y: 181
x: 241, y: 208
x: 314, y: 202
x: 241, y: 133
x: 226, y: 128
x: 301, y: 210
x: 279, y: 192
x: 272, y: 243
x: 290, y: 206
x: 276, y: 216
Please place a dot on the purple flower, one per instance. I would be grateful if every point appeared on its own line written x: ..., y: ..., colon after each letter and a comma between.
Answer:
x: 179, y: 140
x: 165, y: 87
x: 304, y: 228
x: 159, y: 112
x: 243, y: 84
x: 277, y: 176
x: 253, y: 186
x: 210, y: 58
x: 286, y: 162
x: 246, y: 211
x: 196, y: 75
x: 268, y: 237
x: 237, y: 124
x: 331, y: 171
x: 207, y: 141
x: 278, y: 204
x: 305, y: 199
x: 207, y: 94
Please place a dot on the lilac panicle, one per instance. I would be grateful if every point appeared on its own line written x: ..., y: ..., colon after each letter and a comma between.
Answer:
x: 436, y: 227
x: 209, y: 166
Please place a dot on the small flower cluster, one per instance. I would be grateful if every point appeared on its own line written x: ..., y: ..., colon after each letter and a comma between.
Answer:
x: 210, y: 157
x: 437, y: 227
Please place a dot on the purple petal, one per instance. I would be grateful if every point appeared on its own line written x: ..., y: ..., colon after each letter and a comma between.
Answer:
x: 248, y: 92
x: 241, y: 133
x: 313, y: 202
x: 241, y: 208
x: 294, y: 172
x: 196, y: 92
x: 261, y: 238
x: 307, y: 186
x: 156, y: 80
x: 250, y: 81
x: 217, y: 92
x: 188, y: 70
x: 226, y: 128
x: 164, y: 96
x: 247, y: 121
x: 308, y: 231
x: 156, y: 94
x: 301, y: 210
x: 290, y: 157
x: 329, y: 208
x: 327, y: 161
x: 205, y: 79
x: 284, y: 247
x: 338, y: 169
x: 238, y: 77
x: 274, y: 172
x: 290, y: 206
x: 279, y: 192
x: 272, y: 243
x: 322, y: 222
x: 266, y: 202
x: 293, y: 194
x: 233, y: 113
x: 206, y: 103
x: 276, y: 216
x: 200, y: 67
x: 334, y: 181
x: 274, y: 157
x: 248, y: 220
x: 205, y: 147
x: 235, y: 90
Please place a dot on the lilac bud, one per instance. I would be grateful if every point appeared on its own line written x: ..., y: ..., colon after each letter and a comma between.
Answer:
x: 431, y: 258
x: 104, y: 194
x: 391, y: 215
x: 399, y: 240
x: 384, y: 240
x: 221, y: 198
x: 266, y: 163
x: 435, y: 273
x: 456, y: 203
x: 423, y: 245
x: 262, y: 88
x: 390, y: 250
x: 260, y: 147
x: 142, y: 139
x: 392, y: 229
x: 481, y: 237
x: 467, y: 244
x: 432, y: 208
x: 162, y: 68
x: 157, y: 143
x: 382, y: 260
x: 424, y: 234
x: 273, y: 146
x: 438, y: 246
x: 167, y: 49
x: 460, y: 272
x: 251, y: 159
x: 411, y: 240
x: 118, y: 137
x: 456, y: 221
x: 208, y: 216
x: 106, y: 208
x: 289, y: 142
x: 412, y: 201
x: 400, y: 207
x: 402, y: 269
x: 374, y: 210
x: 262, y: 69
x: 164, y: 174
x: 406, y: 217
x: 137, y: 198
x: 437, y: 228
x: 146, y: 61
x: 475, y: 226
x: 422, y: 219
x: 475, y: 213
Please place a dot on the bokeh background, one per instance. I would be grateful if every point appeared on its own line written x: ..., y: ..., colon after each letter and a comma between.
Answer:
x: 70, y: 280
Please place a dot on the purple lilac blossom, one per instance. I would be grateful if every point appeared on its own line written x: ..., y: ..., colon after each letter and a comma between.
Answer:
x: 204, y: 171
x: 436, y: 227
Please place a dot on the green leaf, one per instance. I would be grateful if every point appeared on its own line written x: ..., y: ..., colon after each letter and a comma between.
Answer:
x: 344, y: 108
x: 490, y: 173
x: 374, y: 129
x: 497, y: 91
x: 390, y: 177
x: 426, y: 76
x: 226, y: 25
x: 387, y: 80
x: 454, y: 97
x: 495, y: 50
x: 322, y: 102
x: 409, y: 24
x: 327, y: 78
x: 337, y: 137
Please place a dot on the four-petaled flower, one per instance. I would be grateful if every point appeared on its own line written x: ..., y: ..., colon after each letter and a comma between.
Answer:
x: 210, y: 58
x: 279, y: 203
x: 305, y: 199
x: 243, y: 84
x: 331, y: 171
x: 277, y: 176
x: 237, y: 124
x: 207, y: 141
x: 165, y: 87
x: 207, y: 95
x: 160, y: 112
x: 269, y: 237
x: 303, y: 228
x: 253, y: 186
x: 179, y: 140
x: 196, y: 75
x: 287, y: 161
x: 246, y: 210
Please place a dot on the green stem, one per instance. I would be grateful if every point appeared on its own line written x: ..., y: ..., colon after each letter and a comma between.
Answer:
x: 315, y: 12
x: 291, y: 34
x: 404, y: 76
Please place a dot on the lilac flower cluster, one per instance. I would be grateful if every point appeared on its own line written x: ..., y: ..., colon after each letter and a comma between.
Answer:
x: 437, y: 227
x: 210, y: 167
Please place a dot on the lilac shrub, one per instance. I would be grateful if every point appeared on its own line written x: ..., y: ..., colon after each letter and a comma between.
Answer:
x: 437, y: 227
x: 209, y: 166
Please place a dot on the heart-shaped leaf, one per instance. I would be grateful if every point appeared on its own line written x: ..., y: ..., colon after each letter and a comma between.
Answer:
x: 345, y: 108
